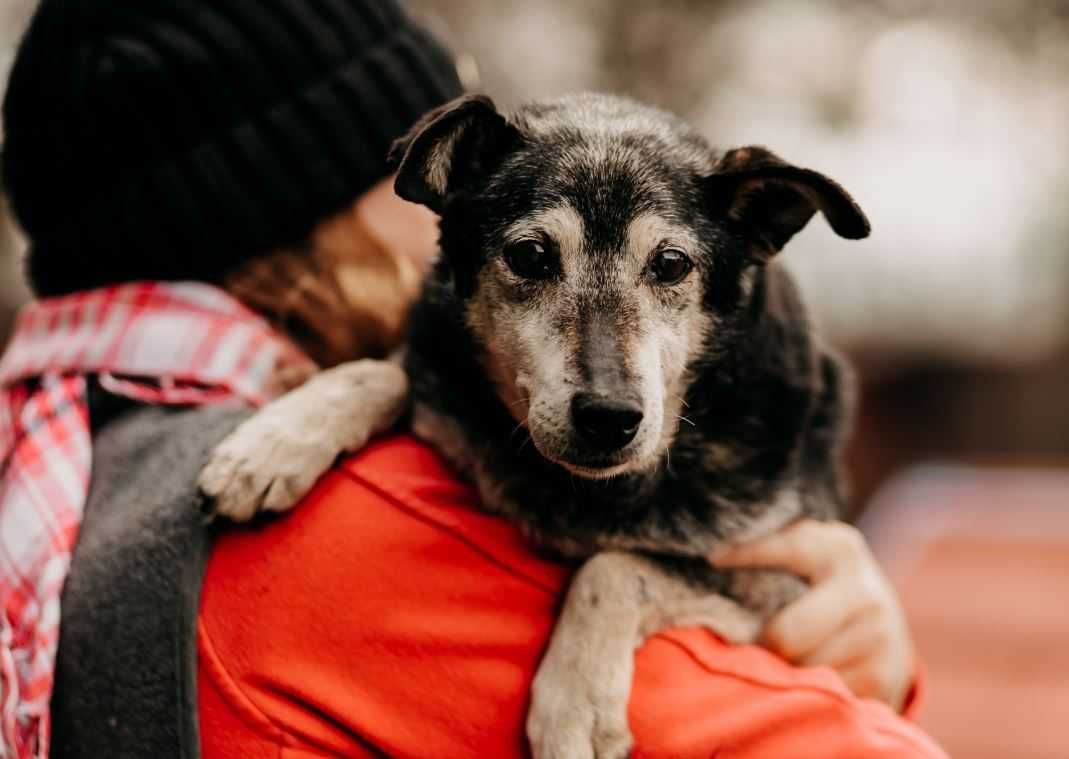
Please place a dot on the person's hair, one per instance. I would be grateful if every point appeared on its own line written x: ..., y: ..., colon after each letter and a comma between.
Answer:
x: 341, y: 296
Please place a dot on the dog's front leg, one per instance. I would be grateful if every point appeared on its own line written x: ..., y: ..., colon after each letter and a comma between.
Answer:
x: 616, y: 600
x: 579, y: 696
x: 275, y: 457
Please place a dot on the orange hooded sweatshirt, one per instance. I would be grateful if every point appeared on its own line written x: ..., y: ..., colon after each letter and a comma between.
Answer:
x: 387, y: 617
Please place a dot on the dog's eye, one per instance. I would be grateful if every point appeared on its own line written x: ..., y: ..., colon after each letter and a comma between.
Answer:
x: 531, y: 259
x: 670, y: 266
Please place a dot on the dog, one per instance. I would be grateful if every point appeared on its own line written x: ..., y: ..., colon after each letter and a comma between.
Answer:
x: 609, y: 350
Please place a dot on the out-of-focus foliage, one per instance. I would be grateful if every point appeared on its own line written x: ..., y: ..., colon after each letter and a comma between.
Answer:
x: 948, y: 120
x: 13, y: 17
x: 14, y: 14
x: 12, y: 288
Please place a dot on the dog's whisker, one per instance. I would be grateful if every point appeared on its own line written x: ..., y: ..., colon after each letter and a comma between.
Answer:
x: 526, y: 439
x: 684, y: 419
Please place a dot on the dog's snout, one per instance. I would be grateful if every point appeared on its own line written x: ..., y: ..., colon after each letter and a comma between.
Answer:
x: 607, y: 424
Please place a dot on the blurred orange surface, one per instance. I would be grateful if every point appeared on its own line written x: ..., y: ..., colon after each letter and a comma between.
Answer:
x: 981, y: 559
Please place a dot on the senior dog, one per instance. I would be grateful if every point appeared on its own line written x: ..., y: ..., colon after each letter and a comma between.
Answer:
x: 609, y: 351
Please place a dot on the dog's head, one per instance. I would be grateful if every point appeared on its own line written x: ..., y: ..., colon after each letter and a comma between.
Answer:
x: 602, y: 248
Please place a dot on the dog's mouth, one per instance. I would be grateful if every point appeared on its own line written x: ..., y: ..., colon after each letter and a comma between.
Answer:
x: 597, y: 473
x: 595, y: 467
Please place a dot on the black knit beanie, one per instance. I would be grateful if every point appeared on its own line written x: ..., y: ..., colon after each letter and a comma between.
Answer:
x: 176, y: 139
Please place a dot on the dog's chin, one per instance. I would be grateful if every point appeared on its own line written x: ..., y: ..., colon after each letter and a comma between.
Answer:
x: 592, y: 469
x: 603, y: 473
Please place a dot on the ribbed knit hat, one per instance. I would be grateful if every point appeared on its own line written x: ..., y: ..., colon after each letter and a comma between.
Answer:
x: 176, y: 139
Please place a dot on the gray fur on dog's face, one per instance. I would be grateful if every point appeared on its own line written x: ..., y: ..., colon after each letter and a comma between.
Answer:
x: 603, y: 250
x: 616, y: 331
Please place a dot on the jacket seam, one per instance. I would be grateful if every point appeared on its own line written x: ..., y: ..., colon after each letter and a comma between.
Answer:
x: 815, y: 690
x: 399, y: 503
x: 239, y: 701
x: 251, y: 714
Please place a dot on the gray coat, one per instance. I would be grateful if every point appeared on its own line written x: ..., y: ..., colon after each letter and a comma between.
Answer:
x: 127, y: 660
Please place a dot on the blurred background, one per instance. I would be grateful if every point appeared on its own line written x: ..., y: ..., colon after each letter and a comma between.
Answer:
x: 949, y: 122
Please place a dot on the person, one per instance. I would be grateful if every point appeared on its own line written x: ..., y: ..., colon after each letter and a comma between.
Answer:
x: 203, y: 186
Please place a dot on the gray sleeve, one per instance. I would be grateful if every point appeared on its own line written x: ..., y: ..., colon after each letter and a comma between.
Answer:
x: 126, y: 666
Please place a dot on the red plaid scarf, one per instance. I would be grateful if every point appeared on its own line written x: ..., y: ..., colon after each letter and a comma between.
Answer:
x: 185, y: 344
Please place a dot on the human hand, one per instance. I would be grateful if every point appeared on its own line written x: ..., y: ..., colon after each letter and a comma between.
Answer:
x: 849, y: 619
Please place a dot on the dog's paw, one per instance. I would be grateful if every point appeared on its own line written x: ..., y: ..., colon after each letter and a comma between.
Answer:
x: 274, y: 458
x: 577, y: 735
x: 263, y: 466
x: 567, y: 723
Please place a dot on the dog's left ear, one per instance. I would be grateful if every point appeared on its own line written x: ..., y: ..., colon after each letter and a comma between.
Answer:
x: 449, y: 149
x: 771, y: 200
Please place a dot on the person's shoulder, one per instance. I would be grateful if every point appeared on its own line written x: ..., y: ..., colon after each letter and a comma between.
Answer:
x: 418, y: 485
x: 403, y: 458
x: 395, y: 472
x: 400, y: 499
x: 409, y: 475
x: 386, y: 575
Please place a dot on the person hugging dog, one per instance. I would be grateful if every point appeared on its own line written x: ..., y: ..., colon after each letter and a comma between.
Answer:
x: 210, y: 217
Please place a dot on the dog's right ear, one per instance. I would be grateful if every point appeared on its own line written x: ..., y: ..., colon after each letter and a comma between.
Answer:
x: 450, y: 149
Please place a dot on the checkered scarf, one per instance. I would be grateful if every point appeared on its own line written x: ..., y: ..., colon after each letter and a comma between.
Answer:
x: 185, y: 344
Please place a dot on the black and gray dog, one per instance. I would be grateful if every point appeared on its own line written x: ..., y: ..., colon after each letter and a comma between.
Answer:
x: 607, y: 349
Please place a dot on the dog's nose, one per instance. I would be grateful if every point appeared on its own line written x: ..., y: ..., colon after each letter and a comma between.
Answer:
x: 605, y: 423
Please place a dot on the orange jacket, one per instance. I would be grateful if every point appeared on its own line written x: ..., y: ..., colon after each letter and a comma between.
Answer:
x: 385, y: 616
